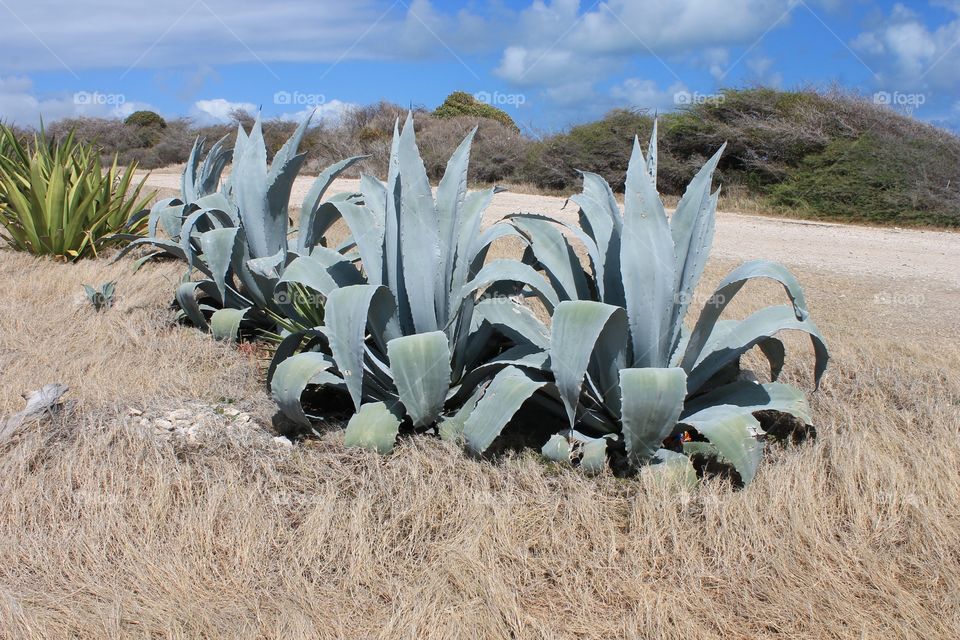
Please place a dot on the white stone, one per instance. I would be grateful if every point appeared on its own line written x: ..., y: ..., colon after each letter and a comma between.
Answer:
x: 180, y: 414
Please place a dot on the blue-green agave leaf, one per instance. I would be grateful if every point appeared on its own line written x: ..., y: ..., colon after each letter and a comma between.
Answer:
x: 373, y: 427
x: 733, y: 433
x: 507, y: 392
x: 652, y: 401
x: 346, y: 315
x: 576, y: 332
x: 420, y: 364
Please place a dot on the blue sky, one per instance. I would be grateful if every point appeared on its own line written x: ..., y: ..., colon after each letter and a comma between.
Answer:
x: 549, y: 63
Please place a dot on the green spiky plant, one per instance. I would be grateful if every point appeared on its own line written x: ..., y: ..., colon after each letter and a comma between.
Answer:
x: 101, y: 297
x: 237, y: 237
x: 405, y: 336
x: 624, y: 366
x: 56, y: 199
x: 198, y: 182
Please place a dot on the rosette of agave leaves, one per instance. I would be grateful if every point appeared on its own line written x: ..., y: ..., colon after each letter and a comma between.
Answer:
x: 237, y: 237
x: 625, y: 367
x: 409, y: 339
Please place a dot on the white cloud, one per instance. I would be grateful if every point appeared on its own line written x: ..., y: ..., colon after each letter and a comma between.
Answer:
x: 555, y: 34
x: 717, y: 61
x: 906, y: 54
x: 218, y: 110
x: 566, y: 51
x: 20, y: 103
x: 763, y: 71
x: 646, y: 94
x: 108, y: 34
x: 329, y: 112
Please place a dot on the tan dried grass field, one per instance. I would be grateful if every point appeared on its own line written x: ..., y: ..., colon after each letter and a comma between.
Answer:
x: 110, y: 532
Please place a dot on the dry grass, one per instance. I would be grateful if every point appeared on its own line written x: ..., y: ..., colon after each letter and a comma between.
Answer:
x: 110, y: 533
x: 129, y: 355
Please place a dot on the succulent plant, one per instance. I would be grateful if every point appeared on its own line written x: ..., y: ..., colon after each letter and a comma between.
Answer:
x: 101, y: 297
x: 56, y: 199
x: 237, y: 237
x: 623, y: 364
x: 405, y: 334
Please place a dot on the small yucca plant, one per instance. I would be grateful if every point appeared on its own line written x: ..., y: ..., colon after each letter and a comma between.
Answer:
x: 56, y: 199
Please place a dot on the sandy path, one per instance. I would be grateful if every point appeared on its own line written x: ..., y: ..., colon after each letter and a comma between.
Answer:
x: 929, y: 256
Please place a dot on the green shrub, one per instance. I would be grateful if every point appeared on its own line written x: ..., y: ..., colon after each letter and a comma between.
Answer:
x: 56, y: 199
x: 870, y: 179
x: 146, y: 119
x: 601, y: 147
x: 461, y: 103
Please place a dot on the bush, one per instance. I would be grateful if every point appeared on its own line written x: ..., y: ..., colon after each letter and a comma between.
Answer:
x: 870, y: 179
x: 461, y: 103
x: 145, y: 119
x: 828, y: 155
x: 602, y: 147
x: 498, y: 150
x: 799, y: 149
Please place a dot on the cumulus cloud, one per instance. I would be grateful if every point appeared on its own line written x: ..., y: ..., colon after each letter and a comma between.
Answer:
x: 564, y: 51
x: 647, y: 94
x: 104, y: 34
x: 907, y: 54
x: 20, y: 103
x: 329, y: 112
x: 556, y: 33
x: 218, y: 110
x: 763, y: 71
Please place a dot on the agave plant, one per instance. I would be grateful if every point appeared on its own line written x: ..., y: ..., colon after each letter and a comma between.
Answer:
x: 101, y: 297
x: 404, y: 335
x: 623, y: 364
x: 56, y: 199
x: 197, y: 183
x: 237, y: 238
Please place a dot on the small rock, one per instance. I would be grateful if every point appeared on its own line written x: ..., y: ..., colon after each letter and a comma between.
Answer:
x: 180, y: 414
x: 283, y: 441
x: 134, y: 412
x: 230, y: 412
x: 163, y: 424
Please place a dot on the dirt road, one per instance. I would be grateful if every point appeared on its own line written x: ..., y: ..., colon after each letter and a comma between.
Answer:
x: 932, y: 257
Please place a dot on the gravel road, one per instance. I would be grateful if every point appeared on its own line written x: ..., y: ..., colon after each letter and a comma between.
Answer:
x: 929, y: 256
